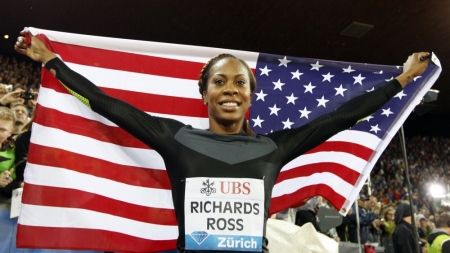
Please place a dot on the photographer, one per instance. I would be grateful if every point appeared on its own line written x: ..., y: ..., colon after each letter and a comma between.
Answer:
x: 10, y: 98
x: 366, y: 217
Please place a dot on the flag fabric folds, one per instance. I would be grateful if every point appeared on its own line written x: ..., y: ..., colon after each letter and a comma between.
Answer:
x: 90, y: 185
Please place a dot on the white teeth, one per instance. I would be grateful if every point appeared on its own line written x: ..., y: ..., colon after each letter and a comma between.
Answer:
x: 230, y: 104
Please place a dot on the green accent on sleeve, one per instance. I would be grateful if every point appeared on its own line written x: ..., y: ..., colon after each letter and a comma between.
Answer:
x: 83, y: 100
x: 363, y: 119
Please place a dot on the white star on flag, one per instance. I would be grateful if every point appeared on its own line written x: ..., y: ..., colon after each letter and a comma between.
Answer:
x: 358, y: 79
x: 373, y: 88
x: 309, y: 88
x: 304, y: 113
x: 348, y: 70
x: 274, y: 110
x: 265, y: 71
x: 368, y: 118
x: 296, y: 74
x: 258, y: 121
x: 316, y: 66
x: 417, y: 77
x: 387, y: 112
x: 287, y: 124
x: 284, y: 61
x: 278, y: 85
x: 260, y: 95
x: 340, y: 91
x: 291, y: 99
x: 322, y: 102
x: 387, y: 80
x: 375, y: 128
x: 400, y: 95
x: 327, y: 77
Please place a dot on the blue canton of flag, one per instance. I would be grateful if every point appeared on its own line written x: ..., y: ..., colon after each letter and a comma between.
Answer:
x: 294, y: 91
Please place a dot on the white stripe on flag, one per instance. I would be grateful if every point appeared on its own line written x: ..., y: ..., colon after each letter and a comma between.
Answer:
x: 68, y: 104
x: 358, y: 137
x: 353, y: 162
x: 292, y: 185
x: 59, y: 217
x: 63, y: 178
x: 142, y: 83
x: 51, y: 137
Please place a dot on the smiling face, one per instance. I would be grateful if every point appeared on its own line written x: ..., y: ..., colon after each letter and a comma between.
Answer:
x: 228, y: 95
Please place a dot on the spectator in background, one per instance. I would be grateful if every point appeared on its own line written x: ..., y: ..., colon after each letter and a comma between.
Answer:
x: 19, y: 100
x: 375, y: 226
x: 366, y: 218
x: 21, y: 113
x: 423, y: 228
x: 10, y: 98
x: 307, y: 213
x: 7, y: 175
x: 323, y: 203
x: 342, y: 229
x: 439, y: 238
x: 403, y: 234
x: 388, y: 228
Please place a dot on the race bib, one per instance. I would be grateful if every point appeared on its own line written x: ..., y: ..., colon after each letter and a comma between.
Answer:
x: 224, y: 214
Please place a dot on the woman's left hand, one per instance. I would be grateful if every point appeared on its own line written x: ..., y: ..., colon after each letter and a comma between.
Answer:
x: 414, y: 66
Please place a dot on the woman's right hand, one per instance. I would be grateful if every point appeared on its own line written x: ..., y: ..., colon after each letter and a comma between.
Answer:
x: 36, y: 50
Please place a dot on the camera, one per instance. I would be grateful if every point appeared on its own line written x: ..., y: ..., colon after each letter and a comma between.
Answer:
x: 27, y: 95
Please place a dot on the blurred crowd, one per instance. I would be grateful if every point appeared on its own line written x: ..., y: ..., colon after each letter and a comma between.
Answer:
x: 19, y: 84
x: 383, y: 203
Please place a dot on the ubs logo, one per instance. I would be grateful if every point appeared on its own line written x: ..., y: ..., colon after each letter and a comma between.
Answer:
x: 235, y: 188
x: 208, y: 189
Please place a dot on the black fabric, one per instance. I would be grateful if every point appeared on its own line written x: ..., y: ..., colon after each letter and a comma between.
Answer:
x: 269, y: 152
x: 304, y: 216
x: 403, y: 238
x: 402, y: 211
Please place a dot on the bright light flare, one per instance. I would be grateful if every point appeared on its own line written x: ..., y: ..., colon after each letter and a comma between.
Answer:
x: 6, y: 36
x: 437, y: 191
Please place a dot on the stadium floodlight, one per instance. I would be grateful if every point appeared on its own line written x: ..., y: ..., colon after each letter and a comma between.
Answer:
x: 437, y: 191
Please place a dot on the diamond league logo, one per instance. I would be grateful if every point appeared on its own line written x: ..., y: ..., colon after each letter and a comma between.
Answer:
x: 209, y: 189
x: 199, y: 236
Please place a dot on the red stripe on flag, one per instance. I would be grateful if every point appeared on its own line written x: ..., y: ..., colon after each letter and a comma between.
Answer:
x: 347, y: 147
x: 144, y: 101
x: 90, y: 128
x: 298, y: 197
x: 77, y: 238
x: 131, y: 62
x: 94, y: 202
x: 137, y: 176
x: 339, y: 170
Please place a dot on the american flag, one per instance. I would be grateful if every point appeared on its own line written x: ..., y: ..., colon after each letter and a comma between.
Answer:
x: 90, y: 185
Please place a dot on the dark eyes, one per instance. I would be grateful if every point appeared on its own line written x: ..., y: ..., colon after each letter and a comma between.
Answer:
x: 221, y: 82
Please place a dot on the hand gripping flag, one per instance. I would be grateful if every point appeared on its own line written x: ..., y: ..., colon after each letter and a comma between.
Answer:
x: 90, y: 185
